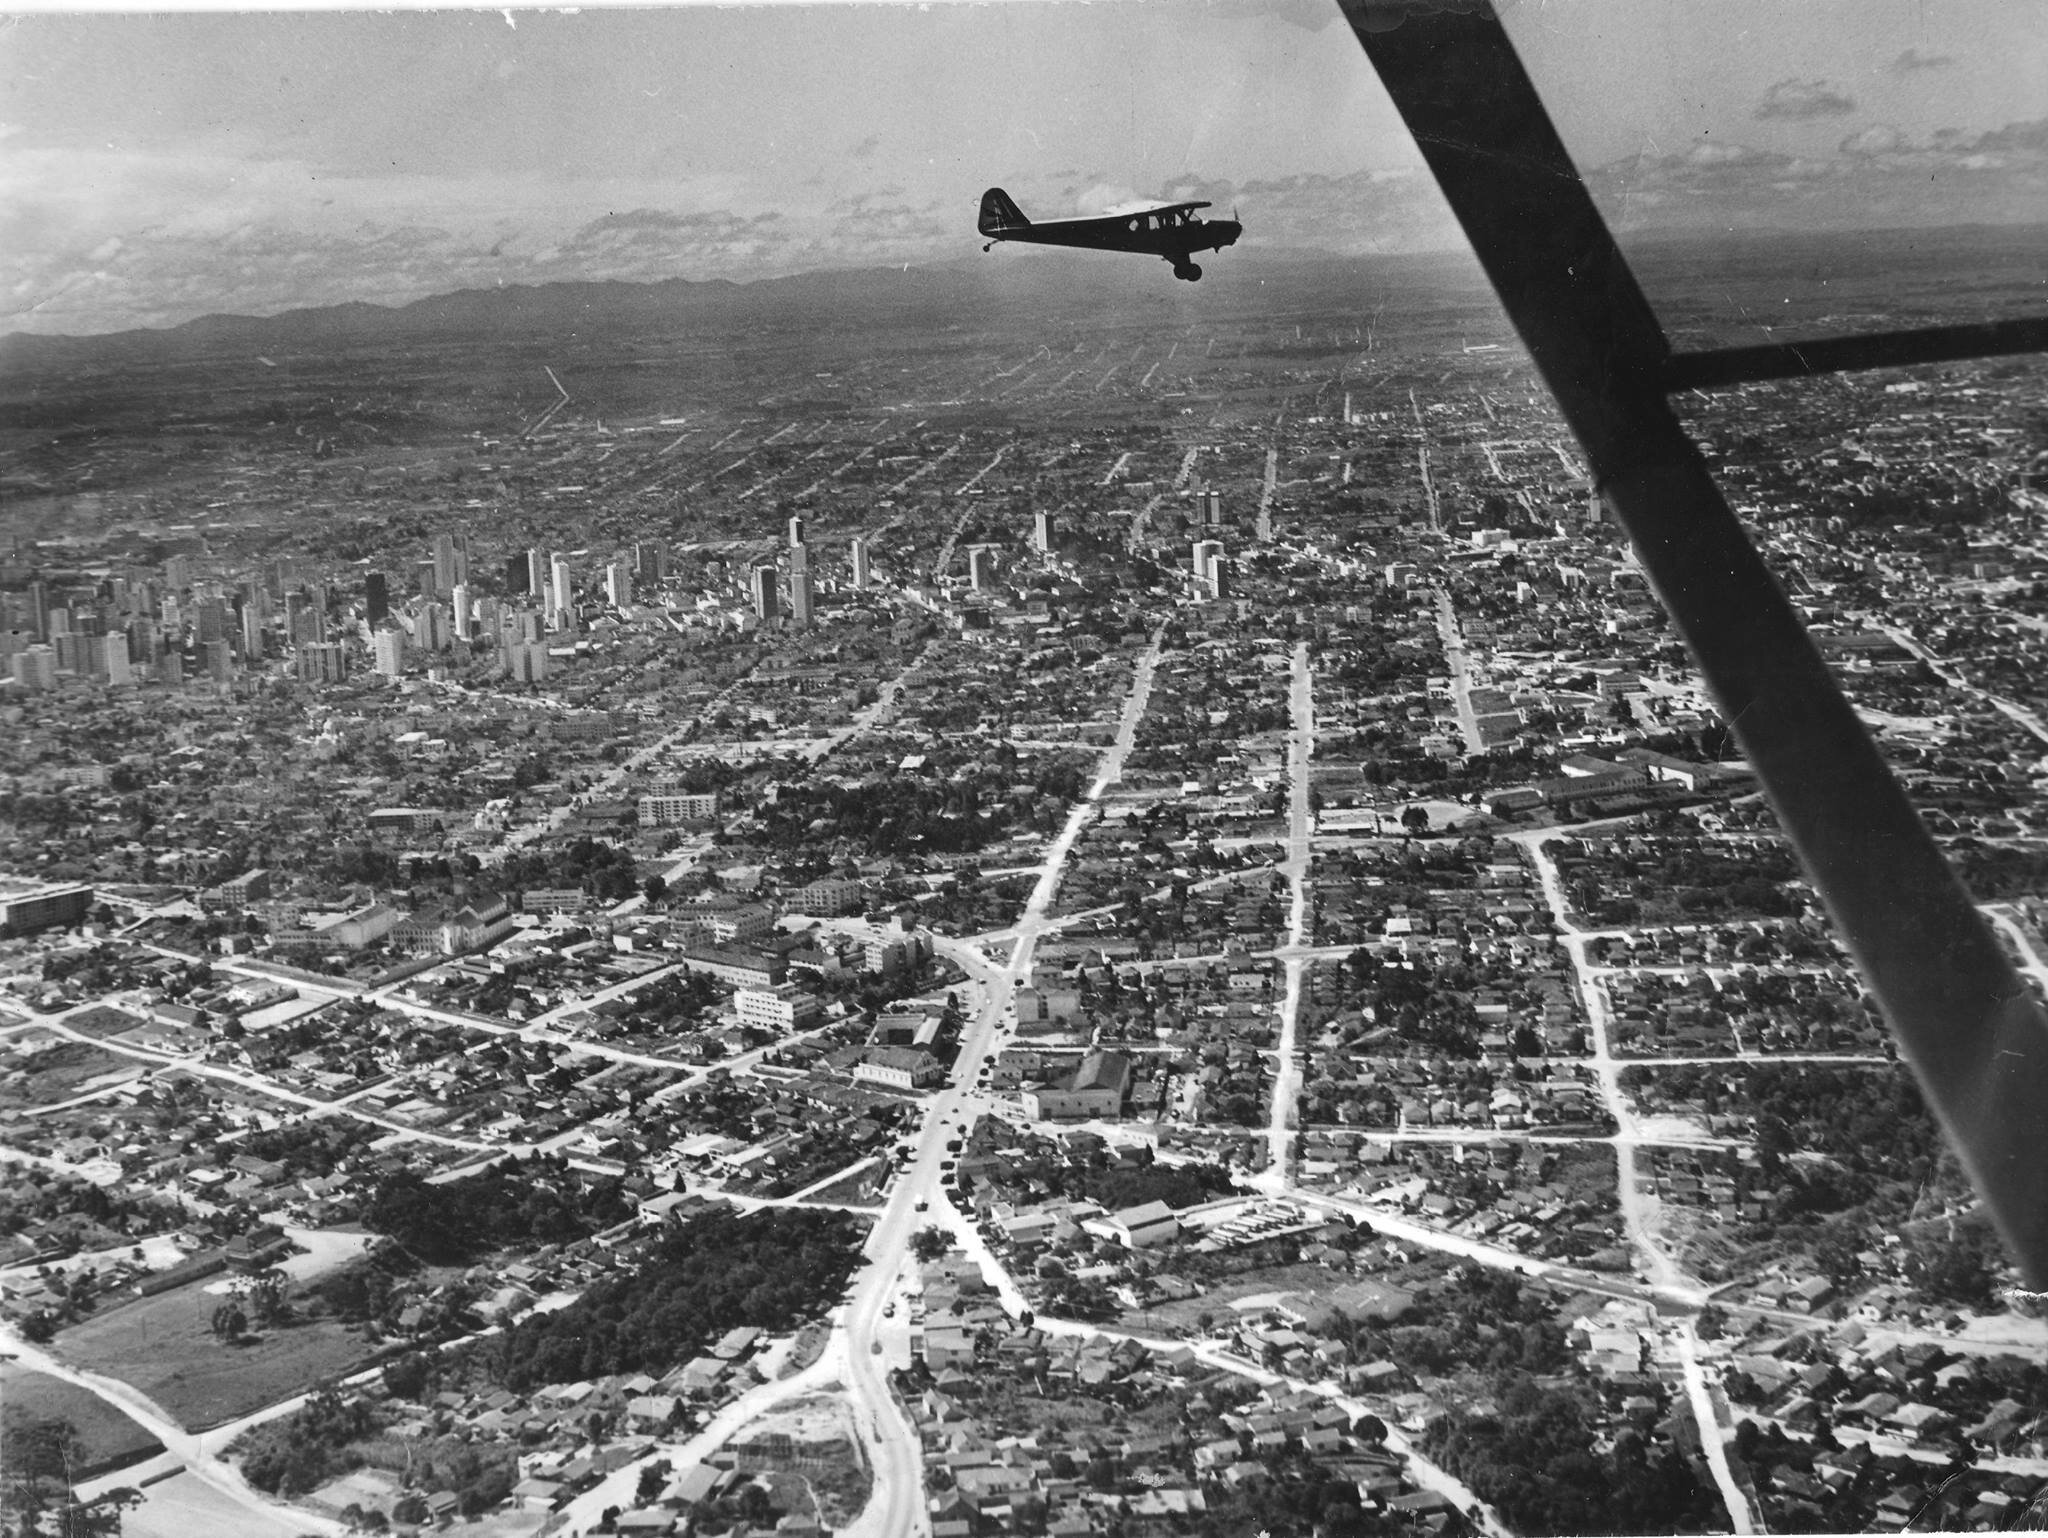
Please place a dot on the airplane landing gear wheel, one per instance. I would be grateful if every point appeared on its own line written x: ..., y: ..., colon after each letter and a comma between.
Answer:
x: 1188, y: 272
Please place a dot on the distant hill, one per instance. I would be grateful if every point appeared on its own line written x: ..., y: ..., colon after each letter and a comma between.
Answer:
x: 997, y: 287
x: 1701, y: 284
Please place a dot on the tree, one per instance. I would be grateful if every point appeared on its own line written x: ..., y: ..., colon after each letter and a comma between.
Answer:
x: 928, y: 1244
x: 1415, y: 819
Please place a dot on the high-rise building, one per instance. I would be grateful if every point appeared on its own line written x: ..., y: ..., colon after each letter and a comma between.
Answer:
x: 860, y: 565
x: 114, y: 659
x: 178, y: 573
x: 796, y: 531
x: 526, y: 662
x: 451, y: 563
x: 430, y: 629
x: 981, y: 568
x: 36, y: 668
x: 170, y: 668
x: 618, y: 584
x: 376, y: 599
x: 1219, y: 577
x: 252, y: 630
x: 1212, y: 507
x: 73, y: 654
x: 516, y: 569
x: 209, y: 621
x: 459, y: 604
x: 283, y: 576
x: 537, y: 575
x: 1206, y: 550
x: 298, y: 618
x: 324, y: 662
x: 1043, y: 533
x: 800, y: 585
x: 561, y: 594
x: 387, y: 652
x: 650, y: 562
x: 216, y: 661
x: 761, y: 577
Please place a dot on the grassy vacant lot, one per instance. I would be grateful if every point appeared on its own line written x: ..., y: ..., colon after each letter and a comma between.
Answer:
x: 110, y: 1439
x: 103, y: 1020
x: 165, y: 1346
x: 61, y: 1070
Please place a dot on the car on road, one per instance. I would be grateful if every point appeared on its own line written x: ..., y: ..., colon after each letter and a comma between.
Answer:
x: 889, y: 1310
x: 922, y: 1204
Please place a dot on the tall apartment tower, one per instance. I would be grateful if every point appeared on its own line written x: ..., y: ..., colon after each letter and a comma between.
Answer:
x: 114, y: 652
x: 460, y: 605
x: 451, y: 563
x: 376, y: 599
x: 618, y: 583
x: 650, y: 561
x: 1043, y: 532
x: 800, y: 594
x: 35, y: 667
x: 981, y: 568
x: 515, y: 574
x: 561, y: 594
x: 860, y: 565
x: 387, y: 650
x: 767, y: 601
x: 1212, y: 507
x: 537, y: 575
x: 526, y: 662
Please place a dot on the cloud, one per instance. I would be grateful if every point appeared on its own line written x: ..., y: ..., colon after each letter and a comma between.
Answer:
x: 1878, y: 139
x: 1878, y: 177
x: 1802, y: 99
x: 1913, y: 59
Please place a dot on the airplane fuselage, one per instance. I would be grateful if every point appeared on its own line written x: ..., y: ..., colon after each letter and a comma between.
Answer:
x: 1174, y: 232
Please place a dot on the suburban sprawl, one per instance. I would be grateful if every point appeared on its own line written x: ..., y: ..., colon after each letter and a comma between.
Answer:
x: 1086, y: 930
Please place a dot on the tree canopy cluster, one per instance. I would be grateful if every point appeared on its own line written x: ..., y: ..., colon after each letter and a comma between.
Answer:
x: 533, y: 1202
x: 770, y: 1269
x: 1534, y: 1460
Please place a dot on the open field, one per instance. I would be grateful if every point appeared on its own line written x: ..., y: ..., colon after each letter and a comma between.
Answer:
x: 110, y: 1439
x: 165, y: 1347
x: 64, y: 1069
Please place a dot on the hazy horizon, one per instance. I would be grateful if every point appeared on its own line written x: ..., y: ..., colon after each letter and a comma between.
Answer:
x: 158, y: 168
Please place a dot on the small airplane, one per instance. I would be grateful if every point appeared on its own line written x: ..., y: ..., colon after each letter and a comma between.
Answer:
x: 1172, y: 231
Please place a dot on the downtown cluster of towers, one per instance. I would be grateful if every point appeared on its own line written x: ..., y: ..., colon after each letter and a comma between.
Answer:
x: 144, y: 626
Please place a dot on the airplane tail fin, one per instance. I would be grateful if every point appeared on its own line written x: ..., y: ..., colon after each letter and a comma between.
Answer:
x: 999, y: 214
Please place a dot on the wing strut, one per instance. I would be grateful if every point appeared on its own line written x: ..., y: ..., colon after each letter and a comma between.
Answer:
x: 1961, y: 1014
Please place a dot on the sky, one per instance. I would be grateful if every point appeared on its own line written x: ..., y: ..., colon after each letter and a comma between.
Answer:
x: 154, y: 168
